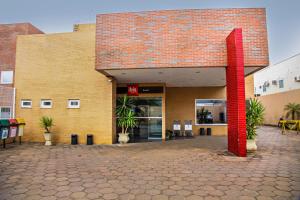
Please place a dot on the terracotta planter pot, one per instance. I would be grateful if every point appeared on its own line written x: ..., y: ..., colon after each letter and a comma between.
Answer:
x: 48, y: 137
x: 123, y: 138
x: 251, y: 145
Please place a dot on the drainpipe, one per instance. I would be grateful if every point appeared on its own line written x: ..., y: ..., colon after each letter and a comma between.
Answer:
x: 14, y: 103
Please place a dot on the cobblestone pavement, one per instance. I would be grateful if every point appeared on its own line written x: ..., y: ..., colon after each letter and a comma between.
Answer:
x: 182, y: 169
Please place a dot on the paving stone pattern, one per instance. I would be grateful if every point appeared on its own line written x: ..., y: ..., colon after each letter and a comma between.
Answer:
x: 188, y: 169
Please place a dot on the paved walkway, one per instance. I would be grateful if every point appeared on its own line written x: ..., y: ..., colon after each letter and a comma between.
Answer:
x: 183, y: 169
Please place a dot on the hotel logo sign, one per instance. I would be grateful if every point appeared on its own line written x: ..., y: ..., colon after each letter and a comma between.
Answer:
x: 133, y: 90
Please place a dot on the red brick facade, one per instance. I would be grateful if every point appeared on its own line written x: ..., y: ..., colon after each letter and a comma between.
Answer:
x: 6, y: 96
x: 8, y: 37
x: 235, y: 81
x: 178, y: 38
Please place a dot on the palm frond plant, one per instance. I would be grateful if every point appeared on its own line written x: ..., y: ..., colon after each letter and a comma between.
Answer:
x: 125, y: 117
x: 46, y: 123
x: 126, y: 121
x: 293, y: 110
x: 254, y: 117
x: 124, y: 104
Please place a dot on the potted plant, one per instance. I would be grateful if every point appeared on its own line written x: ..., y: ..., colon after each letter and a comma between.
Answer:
x: 125, y: 117
x: 47, y: 123
x: 254, y: 117
x: 169, y: 134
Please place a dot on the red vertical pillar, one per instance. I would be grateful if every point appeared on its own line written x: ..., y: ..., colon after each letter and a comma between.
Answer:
x: 236, y: 105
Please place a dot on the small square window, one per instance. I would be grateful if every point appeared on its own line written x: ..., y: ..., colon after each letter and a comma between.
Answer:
x: 5, y: 112
x: 281, y: 84
x: 46, y: 103
x: 73, y: 103
x: 26, y: 103
x: 7, y: 77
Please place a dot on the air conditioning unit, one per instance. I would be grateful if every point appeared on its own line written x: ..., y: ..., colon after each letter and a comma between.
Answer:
x: 266, y: 84
x: 297, y: 78
x: 274, y: 82
x: 75, y: 27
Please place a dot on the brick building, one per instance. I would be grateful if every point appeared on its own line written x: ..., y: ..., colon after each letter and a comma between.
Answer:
x: 179, y: 62
x: 8, y: 40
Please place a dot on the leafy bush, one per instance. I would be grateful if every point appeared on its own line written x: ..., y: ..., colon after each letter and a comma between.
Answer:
x: 169, y: 134
x: 254, y: 117
x: 46, y: 123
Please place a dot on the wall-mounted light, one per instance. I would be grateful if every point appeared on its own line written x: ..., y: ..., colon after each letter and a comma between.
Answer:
x: 110, y: 78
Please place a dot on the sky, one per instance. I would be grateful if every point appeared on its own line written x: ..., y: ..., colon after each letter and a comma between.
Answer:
x: 283, y: 16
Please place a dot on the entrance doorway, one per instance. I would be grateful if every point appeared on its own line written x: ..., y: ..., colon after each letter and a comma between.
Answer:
x: 148, y: 111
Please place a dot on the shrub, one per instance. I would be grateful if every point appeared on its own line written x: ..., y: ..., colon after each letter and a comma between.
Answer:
x: 46, y: 123
x: 254, y: 117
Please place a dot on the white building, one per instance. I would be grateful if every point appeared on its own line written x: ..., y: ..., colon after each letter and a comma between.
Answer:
x: 276, y: 86
x: 281, y: 77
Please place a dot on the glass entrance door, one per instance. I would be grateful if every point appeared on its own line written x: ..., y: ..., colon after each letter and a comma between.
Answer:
x: 148, y: 112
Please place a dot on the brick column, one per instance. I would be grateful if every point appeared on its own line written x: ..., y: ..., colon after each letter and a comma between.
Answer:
x: 236, y: 106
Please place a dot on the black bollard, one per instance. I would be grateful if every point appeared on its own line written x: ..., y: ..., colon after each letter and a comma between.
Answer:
x: 74, y: 139
x: 89, y: 139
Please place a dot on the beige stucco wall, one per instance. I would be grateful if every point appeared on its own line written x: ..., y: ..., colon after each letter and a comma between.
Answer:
x: 180, y: 105
x: 274, y: 104
x: 249, y: 86
x: 62, y: 67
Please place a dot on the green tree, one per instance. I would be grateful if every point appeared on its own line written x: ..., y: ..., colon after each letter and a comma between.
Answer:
x: 293, y: 109
x: 254, y: 117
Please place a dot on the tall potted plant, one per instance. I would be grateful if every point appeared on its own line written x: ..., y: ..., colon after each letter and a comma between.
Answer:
x: 254, y: 117
x: 293, y: 110
x: 125, y: 117
x: 47, y: 123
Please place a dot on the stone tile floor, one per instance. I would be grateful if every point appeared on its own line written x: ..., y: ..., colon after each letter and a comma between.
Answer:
x: 184, y: 169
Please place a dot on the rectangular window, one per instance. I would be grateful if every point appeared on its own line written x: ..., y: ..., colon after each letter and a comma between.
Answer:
x: 73, y: 103
x: 210, y: 111
x: 7, y: 77
x: 26, y: 103
x: 46, y: 103
x: 5, y: 112
x: 281, y: 85
x: 264, y: 88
